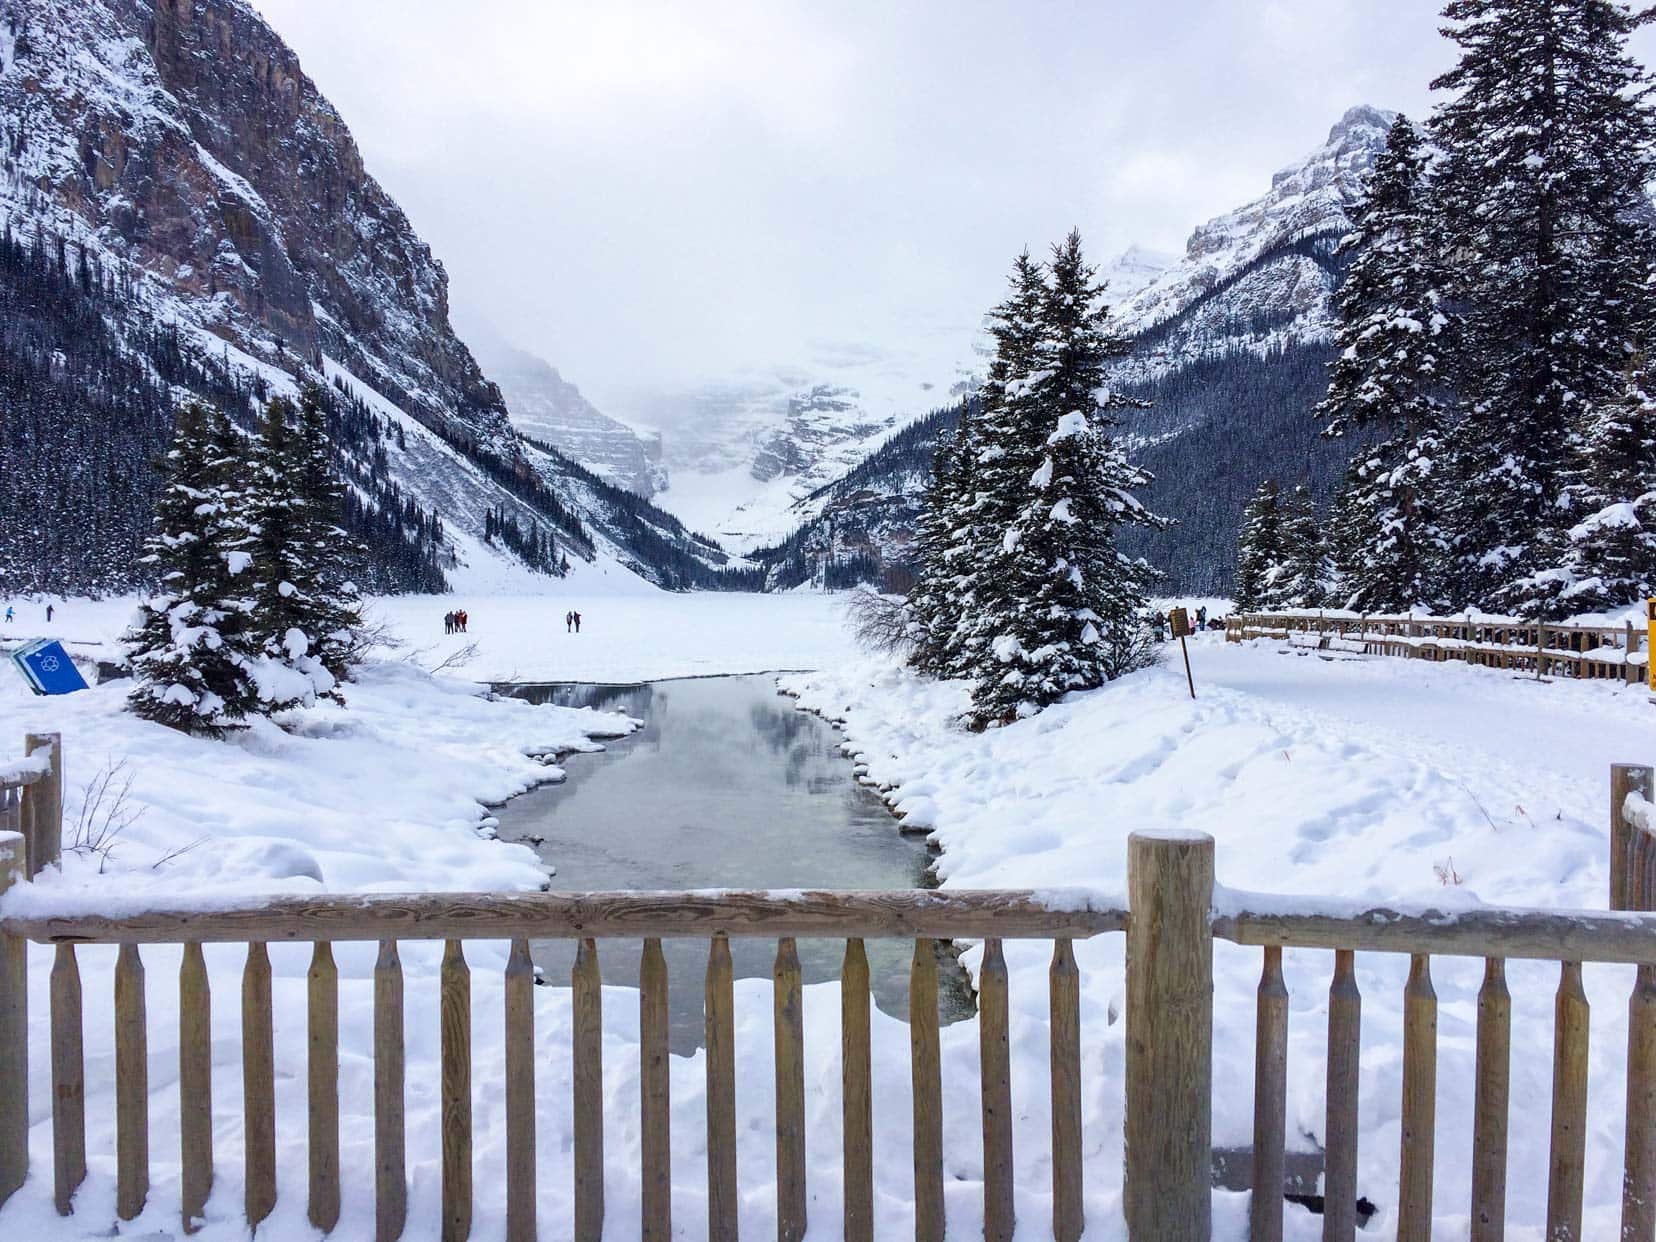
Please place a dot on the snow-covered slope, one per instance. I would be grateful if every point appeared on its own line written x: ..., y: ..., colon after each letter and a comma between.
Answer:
x: 548, y: 408
x: 180, y: 149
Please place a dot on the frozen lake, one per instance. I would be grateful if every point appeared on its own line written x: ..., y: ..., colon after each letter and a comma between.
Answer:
x: 727, y: 785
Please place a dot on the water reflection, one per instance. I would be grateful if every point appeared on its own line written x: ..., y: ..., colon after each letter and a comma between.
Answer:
x: 727, y: 785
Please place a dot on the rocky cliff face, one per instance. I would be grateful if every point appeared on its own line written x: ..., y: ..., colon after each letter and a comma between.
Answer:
x: 180, y: 146
x: 184, y: 137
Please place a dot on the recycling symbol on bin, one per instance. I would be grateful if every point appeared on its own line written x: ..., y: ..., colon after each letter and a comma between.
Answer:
x: 49, y: 664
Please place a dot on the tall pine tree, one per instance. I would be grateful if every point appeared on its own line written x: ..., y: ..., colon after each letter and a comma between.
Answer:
x: 332, y: 597
x: 1303, y: 574
x: 1065, y: 608
x: 190, y: 645
x: 1547, y: 146
x: 996, y: 454
x: 1258, y: 549
x: 1608, y: 559
x: 1390, y: 372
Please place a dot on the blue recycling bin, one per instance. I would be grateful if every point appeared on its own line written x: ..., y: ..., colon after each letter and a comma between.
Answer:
x: 47, y: 668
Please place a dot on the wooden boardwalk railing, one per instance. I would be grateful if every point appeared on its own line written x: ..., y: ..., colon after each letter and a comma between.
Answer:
x: 1172, y: 923
x: 923, y: 917
x: 1613, y: 652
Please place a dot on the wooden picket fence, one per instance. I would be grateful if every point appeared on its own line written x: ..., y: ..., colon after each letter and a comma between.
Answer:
x: 1600, y: 652
x: 1170, y: 923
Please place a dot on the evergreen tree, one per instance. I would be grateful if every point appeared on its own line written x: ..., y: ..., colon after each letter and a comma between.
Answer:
x: 998, y: 451
x: 308, y: 614
x: 334, y: 599
x: 1547, y: 146
x: 1608, y: 557
x: 190, y: 644
x: 933, y: 612
x: 1064, y: 608
x: 1392, y: 339
x: 1303, y: 576
x: 1259, y: 549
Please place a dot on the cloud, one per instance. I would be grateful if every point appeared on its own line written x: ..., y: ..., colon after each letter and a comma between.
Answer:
x: 647, y: 192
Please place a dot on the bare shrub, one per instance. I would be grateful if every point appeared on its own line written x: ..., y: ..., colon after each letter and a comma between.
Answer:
x: 106, y: 812
x: 458, y: 658
x: 879, y: 623
x: 1129, y: 648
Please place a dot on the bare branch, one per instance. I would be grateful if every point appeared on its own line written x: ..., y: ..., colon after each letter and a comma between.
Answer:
x: 879, y: 623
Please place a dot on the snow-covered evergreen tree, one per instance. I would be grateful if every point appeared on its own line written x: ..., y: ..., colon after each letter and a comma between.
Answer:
x: 190, y: 645
x: 1065, y: 609
x: 1392, y: 338
x: 307, y: 613
x: 932, y: 607
x: 995, y: 455
x: 1607, y: 559
x: 1548, y: 145
x: 1258, y: 549
x: 1304, y: 575
x: 333, y: 599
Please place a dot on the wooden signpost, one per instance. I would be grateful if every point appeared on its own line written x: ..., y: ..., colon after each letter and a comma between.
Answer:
x: 1179, y: 619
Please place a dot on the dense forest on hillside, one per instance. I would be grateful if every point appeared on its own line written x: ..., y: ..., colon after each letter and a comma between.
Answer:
x: 1217, y: 429
x: 88, y: 389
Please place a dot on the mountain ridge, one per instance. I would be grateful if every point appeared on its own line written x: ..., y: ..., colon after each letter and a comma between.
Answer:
x: 180, y: 151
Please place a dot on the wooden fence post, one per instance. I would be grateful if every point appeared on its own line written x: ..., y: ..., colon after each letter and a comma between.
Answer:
x: 1626, y: 778
x: 46, y: 803
x: 1169, y: 1037
x: 14, y: 1030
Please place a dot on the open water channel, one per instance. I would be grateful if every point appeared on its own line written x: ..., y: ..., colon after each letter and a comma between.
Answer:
x: 727, y: 785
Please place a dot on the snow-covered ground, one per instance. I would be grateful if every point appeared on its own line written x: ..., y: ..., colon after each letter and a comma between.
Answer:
x: 630, y: 630
x: 1370, y: 779
x: 1364, y: 778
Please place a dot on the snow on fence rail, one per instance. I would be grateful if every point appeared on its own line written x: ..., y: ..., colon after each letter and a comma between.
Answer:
x: 1585, y: 651
x: 1172, y: 916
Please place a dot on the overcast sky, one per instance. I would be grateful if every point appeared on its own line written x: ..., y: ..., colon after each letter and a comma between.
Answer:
x: 655, y: 192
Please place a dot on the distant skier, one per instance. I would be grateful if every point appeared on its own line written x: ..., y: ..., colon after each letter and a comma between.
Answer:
x: 577, y: 623
x: 8, y: 614
x: 48, y: 614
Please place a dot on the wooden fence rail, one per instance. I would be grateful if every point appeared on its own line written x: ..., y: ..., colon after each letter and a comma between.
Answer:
x: 31, y: 837
x: 1171, y: 923
x: 1599, y: 652
x: 1632, y: 837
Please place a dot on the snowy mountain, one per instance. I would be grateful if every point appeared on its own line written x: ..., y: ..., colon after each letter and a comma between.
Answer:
x: 742, y: 450
x: 547, y: 408
x: 177, y: 155
x: 1263, y: 274
x: 1230, y: 343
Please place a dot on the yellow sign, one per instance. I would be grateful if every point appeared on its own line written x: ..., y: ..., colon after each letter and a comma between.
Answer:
x: 1180, y: 620
x: 1650, y: 642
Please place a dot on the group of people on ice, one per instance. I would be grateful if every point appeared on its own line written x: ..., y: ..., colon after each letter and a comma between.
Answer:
x: 572, y: 622
x: 455, y: 622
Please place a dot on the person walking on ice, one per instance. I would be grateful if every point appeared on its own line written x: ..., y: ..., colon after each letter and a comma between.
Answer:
x: 577, y: 623
x: 569, y: 623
